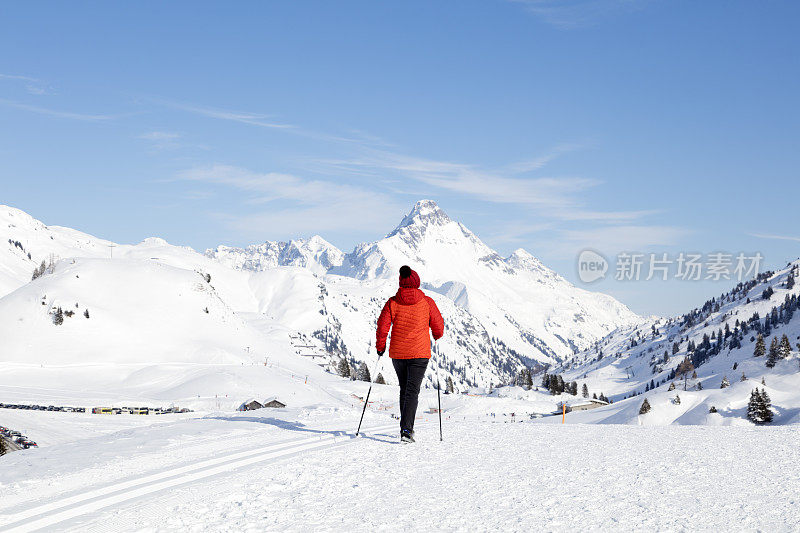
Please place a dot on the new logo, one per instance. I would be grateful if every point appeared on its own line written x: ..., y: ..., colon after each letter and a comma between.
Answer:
x: 591, y: 266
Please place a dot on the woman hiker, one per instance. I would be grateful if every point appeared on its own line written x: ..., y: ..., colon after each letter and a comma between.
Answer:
x: 409, y: 314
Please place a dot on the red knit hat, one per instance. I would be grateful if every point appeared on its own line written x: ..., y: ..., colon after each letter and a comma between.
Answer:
x: 408, y: 278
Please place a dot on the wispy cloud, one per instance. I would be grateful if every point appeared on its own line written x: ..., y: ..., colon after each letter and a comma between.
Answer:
x: 32, y: 85
x: 197, y: 195
x: 284, y: 204
x: 261, y: 120
x: 557, y: 197
x: 775, y: 237
x: 161, y: 140
x: 519, y: 232
x: 243, y: 117
x: 614, y: 239
x: 536, y: 163
x: 560, y: 201
x: 572, y: 14
x: 57, y: 113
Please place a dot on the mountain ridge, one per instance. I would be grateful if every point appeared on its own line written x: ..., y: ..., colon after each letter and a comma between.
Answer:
x: 502, y: 313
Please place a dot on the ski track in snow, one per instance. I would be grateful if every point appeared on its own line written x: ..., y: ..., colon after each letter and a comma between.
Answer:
x: 508, y: 477
x: 88, y: 500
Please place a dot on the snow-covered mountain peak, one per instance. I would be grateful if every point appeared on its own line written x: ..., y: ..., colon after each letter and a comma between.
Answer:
x: 316, y: 254
x: 425, y: 213
x: 523, y: 258
x: 12, y: 217
x: 153, y: 241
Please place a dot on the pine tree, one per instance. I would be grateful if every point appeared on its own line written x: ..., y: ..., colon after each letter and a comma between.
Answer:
x: 760, y: 348
x: 694, y: 374
x: 573, y: 388
x: 86, y: 313
x: 585, y: 391
x: 671, y: 386
x: 344, y: 368
x: 528, y: 379
x: 362, y: 374
x: 765, y: 407
x: 725, y: 383
x: 699, y: 385
x: 58, y: 317
x: 712, y: 409
x: 677, y: 400
x: 449, y: 387
x: 743, y: 378
x: 753, y: 407
x: 645, y: 408
x: 785, y: 348
x: 380, y: 381
x: 759, y: 408
x: 774, y: 355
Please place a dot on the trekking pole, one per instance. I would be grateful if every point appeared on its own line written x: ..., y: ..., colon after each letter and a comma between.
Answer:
x: 366, y: 401
x: 438, y: 388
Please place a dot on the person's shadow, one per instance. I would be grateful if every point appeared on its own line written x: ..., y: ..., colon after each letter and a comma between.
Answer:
x: 297, y: 426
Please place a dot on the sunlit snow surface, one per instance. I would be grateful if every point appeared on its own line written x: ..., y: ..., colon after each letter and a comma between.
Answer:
x: 485, y: 476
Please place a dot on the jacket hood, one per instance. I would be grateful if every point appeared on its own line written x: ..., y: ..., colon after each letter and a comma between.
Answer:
x: 408, y: 295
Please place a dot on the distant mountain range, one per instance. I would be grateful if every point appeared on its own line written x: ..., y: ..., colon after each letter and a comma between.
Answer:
x: 502, y: 313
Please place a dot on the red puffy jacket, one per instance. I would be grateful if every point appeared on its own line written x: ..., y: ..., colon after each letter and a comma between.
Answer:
x: 409, y: 314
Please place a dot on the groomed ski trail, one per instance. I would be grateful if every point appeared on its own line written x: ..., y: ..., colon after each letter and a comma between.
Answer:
x: 92, y: 500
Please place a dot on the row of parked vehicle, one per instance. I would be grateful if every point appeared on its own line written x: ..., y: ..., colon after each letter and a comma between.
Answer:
x: 99, y: 410
x: 138, y: 410
x: 28, y: 407
x: 17, y: 437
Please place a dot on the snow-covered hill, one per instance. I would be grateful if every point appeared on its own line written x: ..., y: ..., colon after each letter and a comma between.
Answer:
x: 25, y: 242
x: 122, y: 311
x: 719, y: 338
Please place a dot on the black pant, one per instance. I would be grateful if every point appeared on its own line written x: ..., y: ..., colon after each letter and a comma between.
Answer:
x: 409, y: 373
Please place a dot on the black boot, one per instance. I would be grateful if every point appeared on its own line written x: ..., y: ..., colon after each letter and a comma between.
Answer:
x: 406, y: 436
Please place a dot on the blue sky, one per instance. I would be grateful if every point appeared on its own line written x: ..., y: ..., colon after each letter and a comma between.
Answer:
x: 652, y: 126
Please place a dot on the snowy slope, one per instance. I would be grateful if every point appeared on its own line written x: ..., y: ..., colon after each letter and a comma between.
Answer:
x: 21, y: 235
x: 632, y: 359
x: 139, y: 311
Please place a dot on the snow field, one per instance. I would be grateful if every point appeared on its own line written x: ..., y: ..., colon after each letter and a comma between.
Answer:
x: 508, y: 477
